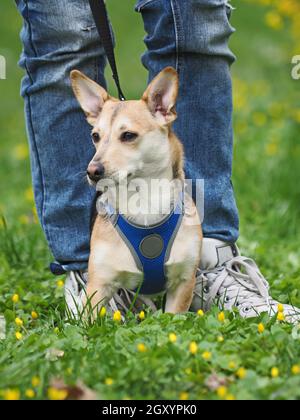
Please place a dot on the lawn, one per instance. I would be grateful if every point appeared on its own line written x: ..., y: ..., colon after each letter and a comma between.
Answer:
x: 162, y: 356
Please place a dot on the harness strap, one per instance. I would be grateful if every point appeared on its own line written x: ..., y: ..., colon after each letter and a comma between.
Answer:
x: 100, y: 15
x: 151, y: 246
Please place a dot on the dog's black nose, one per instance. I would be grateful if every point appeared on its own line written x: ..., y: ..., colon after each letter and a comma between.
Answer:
x: 95, y: 171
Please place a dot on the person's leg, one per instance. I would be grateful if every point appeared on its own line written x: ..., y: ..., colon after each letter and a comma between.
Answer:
x: 59, y: 36
x: 192, y: 36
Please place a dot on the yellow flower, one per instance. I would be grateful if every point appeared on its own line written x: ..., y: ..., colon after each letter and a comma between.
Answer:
x: 184, y: 396
x: 55, y: 394
x: 274, y: 20
x: 272, y: 149
x: 15, y: 298
x: 280, y: 307
x: 280, y: 316
x: 172, y: 338
x: 19, y: 336
x: 142, y: 315
x: 117, y: 317
x: 222, y: 392
x: 207, y: 355
x: 241, y: 373
x: 230, y: 397
x: 60, y: 284
x: 11, y: 395
x: 261, y: 328
x: 193, y: 347
x: 19, y: 322
x: 221, y: 317
x: 21, y: 152
x: 34, y: 315
x: 35, y: 381
x: 141, y: 348
x: 29, y: 195
x: 29, y: 393
x: 200, y: 313
x: 259, y: 119
x: 102, y: 312
x: 296, y: 370
x: 275, y: 372
x: 220, y: 339
x: 109, y: 381
x: 232, y: 365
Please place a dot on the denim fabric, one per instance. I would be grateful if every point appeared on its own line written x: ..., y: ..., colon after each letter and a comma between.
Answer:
x: 58, y: 36
x: 192, y: 36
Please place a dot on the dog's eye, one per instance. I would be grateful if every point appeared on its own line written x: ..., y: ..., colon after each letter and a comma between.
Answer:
x: 96, y: 137
x: 128, y: 136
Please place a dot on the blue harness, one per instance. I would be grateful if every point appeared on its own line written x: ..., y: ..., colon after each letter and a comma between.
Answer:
x: 151, y: 246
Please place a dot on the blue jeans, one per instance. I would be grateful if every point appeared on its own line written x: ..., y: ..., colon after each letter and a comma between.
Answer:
x: 58, y: 36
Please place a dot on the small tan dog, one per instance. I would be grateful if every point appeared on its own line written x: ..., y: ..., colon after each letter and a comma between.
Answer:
x: 134, y: 141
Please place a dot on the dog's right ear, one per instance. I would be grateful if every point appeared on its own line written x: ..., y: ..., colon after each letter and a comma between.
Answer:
x: 89, y: 94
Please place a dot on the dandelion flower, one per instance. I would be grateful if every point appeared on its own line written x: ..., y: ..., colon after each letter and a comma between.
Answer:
x: 184, y: 396
x: 142, y: 315
x: 241, y: 373
x: 280, y: 316
x: 280, y: 307
x: 222, y: 392
x: 60, y: 284
x: 221, y: 317
x: 117, y: 317
x: 200, y: 313
x: 102, y: 312
x: 29, y: 393
x: 11, y: 395
x: 19, y: 322
x: 275, y: 372
x: 193, y: 347
x: 15, y: 298
x: 296, y: 370
x: 230, y: 397
x: 35, y: 381
x: 34, y: 315
x: 19, y: 336
x: 232, y: 365
x: 55, y: 394
x: 207, y: 355
x: 172, y: 338
x: 109, y: 381
x: 141, y: 348
x: 261, y: 328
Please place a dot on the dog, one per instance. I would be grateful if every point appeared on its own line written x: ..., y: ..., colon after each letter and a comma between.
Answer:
x: 135, y: 146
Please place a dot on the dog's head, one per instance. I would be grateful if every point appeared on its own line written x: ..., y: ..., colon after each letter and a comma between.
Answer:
x: 131, y: 137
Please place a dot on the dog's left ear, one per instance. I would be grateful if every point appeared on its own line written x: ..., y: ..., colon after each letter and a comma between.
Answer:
x: 89, y: 94
x: 161, y: 96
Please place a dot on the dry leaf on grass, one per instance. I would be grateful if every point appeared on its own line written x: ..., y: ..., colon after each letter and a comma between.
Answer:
x: 77, y: 392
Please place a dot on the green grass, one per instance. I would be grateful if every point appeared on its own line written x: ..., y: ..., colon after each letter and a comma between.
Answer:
x: 266, y: 174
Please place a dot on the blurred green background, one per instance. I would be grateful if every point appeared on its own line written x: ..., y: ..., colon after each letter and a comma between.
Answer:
x: 266, y: 120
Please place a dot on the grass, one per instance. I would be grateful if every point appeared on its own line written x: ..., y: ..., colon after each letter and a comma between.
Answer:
x: 105, y: 356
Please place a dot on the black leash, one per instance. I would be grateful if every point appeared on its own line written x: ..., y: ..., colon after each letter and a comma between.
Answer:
x: 102, y: 23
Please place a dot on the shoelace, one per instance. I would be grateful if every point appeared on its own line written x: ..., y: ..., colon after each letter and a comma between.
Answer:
x: 251, y: 284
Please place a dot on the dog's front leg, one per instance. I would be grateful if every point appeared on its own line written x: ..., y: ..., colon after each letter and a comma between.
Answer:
x: 179, y: 291
x: 99, y: 290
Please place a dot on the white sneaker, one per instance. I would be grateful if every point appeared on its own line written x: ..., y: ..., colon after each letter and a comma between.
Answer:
x: 122, y: 301
x: 75, y: 286
x: 231, y: 281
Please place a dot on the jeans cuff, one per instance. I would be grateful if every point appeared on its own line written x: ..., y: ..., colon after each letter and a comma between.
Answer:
x: 59, y: 269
